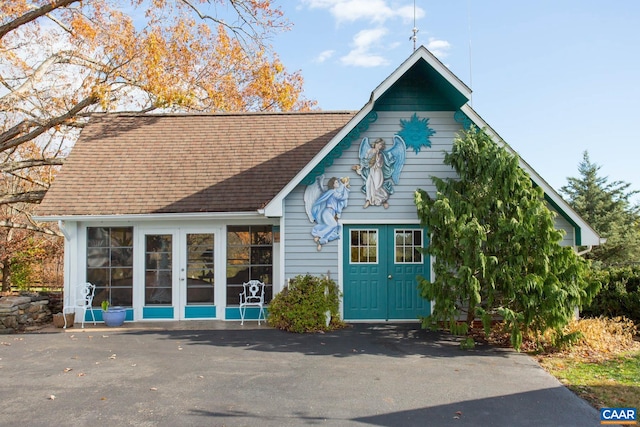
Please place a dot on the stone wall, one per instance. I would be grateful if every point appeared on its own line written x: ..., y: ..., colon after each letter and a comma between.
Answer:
x: 22, y: 312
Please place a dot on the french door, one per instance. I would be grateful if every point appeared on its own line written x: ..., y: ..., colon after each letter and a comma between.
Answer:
x: 381, y: 264
x: 179, y: 274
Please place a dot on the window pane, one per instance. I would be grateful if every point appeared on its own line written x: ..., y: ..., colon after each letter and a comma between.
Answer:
x: 200, y: 269
x: 249, y: 257
x: 407, y: 243
x: 159, y: 269
x: 110, y: 264
x: 364, y: 246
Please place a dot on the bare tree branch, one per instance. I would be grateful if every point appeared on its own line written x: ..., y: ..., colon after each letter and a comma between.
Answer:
x: 25, y: 164
x: 7, y: 142
x: 31, y: 227
x: 33, y: 15
x: 26, y: 197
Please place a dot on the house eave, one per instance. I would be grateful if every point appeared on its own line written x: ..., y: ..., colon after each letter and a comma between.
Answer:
x: 153, y: 217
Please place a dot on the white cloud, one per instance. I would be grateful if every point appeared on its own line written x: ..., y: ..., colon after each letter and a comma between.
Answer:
x: 374, y: 11
x: 363, y: 42
x: 324, y: 55
x: 439, y: 48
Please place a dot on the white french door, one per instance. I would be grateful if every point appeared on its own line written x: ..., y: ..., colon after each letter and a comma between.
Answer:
x: 179, y: 274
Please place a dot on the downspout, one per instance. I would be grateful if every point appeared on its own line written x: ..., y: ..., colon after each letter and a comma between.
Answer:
x: 586, y: 251
x: 63, y: 230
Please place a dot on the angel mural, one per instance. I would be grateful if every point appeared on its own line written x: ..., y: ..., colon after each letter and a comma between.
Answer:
x: 324, y: 206
x: 380, y: 168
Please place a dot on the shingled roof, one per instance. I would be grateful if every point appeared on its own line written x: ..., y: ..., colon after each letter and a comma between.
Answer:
x: 125, y: 164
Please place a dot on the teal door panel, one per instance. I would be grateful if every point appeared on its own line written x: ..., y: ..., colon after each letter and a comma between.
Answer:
x: 381, y: 264
x: 364, y: 295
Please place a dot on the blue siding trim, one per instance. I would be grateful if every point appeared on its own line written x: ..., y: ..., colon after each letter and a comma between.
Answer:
x: 98, y: 314
x: 200, y: 311
x: 157, y: 312
x: 233, y: 313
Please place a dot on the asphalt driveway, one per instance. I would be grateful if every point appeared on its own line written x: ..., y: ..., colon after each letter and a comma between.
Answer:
x: 224, y: 374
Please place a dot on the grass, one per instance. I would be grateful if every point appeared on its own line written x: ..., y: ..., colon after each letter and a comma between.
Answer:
x: 603, y: 366
x: 613, y: 382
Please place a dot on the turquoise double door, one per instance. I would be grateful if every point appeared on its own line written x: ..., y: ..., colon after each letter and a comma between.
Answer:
x: 381, y: 264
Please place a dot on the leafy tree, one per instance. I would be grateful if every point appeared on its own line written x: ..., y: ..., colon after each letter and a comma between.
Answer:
x: 608, y: 207
x: 496, y: 250
x: 61, y: 60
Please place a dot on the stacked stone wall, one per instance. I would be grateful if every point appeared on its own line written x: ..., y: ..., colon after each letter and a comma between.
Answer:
x: 21, y: 313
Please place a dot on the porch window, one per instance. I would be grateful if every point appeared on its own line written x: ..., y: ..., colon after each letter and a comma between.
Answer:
x: 407, y: 244
x: 249, y: 257
x: 110, y: 264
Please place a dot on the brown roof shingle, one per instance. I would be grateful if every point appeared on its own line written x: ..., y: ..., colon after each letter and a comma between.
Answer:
x: 144, y: 164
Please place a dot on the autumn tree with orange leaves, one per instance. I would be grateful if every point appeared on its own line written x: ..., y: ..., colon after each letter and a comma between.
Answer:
x: 61, y: 60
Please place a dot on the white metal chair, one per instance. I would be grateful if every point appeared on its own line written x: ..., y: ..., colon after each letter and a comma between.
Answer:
x: 252, y: 296
x: 81, y: 299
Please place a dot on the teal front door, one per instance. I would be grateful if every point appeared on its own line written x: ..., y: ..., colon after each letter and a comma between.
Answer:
x: 381, y: 263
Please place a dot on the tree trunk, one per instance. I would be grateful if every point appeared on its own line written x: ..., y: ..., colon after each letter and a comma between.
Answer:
x: 6, y: 275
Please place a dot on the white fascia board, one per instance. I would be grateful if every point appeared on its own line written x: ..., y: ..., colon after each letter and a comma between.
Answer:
x: 588, y: 235
x: 154, y: 217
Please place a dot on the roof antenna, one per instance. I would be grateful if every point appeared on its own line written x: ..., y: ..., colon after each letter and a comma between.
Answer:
x: 414, y: 37
x: 470, y: 70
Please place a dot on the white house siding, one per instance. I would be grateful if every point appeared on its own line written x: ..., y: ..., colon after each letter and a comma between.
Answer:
x: 301, y: 254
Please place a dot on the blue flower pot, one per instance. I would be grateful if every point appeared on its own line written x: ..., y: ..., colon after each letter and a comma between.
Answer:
x: 114, y: 316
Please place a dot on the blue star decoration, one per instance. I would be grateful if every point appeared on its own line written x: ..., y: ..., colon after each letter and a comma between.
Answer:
x: 416, y: 132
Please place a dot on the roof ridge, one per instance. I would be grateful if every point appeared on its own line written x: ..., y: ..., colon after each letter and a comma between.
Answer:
x: 223, y: 114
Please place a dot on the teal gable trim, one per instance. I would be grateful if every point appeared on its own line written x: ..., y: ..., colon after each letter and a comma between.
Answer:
x: 337, y: 151
x: 576, y: 229
x: 421, y: 88
x: 157, y: 313
x: 200, y: 311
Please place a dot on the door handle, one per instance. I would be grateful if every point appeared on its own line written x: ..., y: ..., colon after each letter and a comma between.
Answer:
x: 389, y: 277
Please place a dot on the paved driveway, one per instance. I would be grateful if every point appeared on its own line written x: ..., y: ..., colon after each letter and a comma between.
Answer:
x: 223, y: 374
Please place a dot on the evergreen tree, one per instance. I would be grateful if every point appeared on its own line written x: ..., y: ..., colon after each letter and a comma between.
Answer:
x: 495, y: 247
x: 607, y: 207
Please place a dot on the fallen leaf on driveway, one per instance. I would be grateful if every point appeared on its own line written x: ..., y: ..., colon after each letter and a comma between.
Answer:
x: 68, y: 369
x: 5, y: 343
x: 113, y: 356
x: 52, y: 397
x: 154, y: 389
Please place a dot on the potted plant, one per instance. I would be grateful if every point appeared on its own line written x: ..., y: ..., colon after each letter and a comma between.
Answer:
x: 113, y: 316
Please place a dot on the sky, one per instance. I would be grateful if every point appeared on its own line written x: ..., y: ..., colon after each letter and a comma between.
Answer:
x: 553, y: 78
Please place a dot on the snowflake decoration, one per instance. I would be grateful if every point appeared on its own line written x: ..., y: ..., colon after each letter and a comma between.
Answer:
x: 416, y: 132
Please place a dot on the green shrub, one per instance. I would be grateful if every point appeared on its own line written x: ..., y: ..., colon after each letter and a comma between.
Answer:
x: 303, y: 304
x: 619, y: 296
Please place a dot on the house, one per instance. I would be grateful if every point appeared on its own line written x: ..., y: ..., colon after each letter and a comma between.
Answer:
x: 169, y: 214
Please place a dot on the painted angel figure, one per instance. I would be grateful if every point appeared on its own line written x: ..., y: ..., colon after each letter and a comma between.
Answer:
x: 380, y: 168
x: 324, y: 206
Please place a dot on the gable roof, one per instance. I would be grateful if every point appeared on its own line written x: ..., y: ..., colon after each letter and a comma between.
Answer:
x: 128, y: 164
x: 460, y: 94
